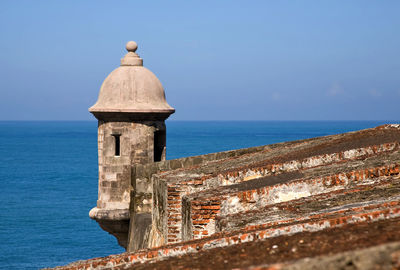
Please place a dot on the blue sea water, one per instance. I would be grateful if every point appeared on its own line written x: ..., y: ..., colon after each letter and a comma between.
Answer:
x: 48, y: 180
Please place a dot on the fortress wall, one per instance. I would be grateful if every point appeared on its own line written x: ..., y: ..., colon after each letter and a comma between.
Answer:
x: 175, y: 179
x: 265, y: 160
x: 302, y: 199
x: 197, y: 252
x: 142, y: 173
x: 140, y: 232
x: 176, y: 220
x: 247, y: 173
x: 201, y: 210
x: 381, y: 190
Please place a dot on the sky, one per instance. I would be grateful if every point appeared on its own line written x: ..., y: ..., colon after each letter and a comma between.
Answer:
x: 217, y: 60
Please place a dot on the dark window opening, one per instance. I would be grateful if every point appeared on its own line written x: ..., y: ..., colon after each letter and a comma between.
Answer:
x: 159, y: 145
x: 117, y: 144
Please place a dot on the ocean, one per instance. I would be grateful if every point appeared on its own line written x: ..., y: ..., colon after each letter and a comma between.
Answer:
x: 48, y: 179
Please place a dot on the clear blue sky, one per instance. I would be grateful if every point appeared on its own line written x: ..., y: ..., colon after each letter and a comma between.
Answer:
x: 217, y: 60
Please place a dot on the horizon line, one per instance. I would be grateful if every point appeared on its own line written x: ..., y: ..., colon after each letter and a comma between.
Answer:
x: 213, y: 120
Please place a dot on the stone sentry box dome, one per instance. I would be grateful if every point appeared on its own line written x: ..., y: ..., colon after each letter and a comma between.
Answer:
x: 131, y: 111
x: 132, y: 89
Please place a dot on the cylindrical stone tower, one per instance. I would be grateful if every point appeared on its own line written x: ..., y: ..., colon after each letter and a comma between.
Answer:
x: 131, y: 110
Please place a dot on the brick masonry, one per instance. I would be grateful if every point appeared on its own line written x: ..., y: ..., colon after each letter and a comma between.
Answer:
x: 168, y: 217
x: 200, y: 213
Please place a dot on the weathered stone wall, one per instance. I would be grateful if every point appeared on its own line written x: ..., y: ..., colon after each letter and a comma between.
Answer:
x: 141, y: 231
x: 136, y: 145
x: 142, y: 173
x: 200, y: 211
x: 176, y: 218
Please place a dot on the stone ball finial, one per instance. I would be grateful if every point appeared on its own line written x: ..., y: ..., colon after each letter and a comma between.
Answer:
x: 131, y: 46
